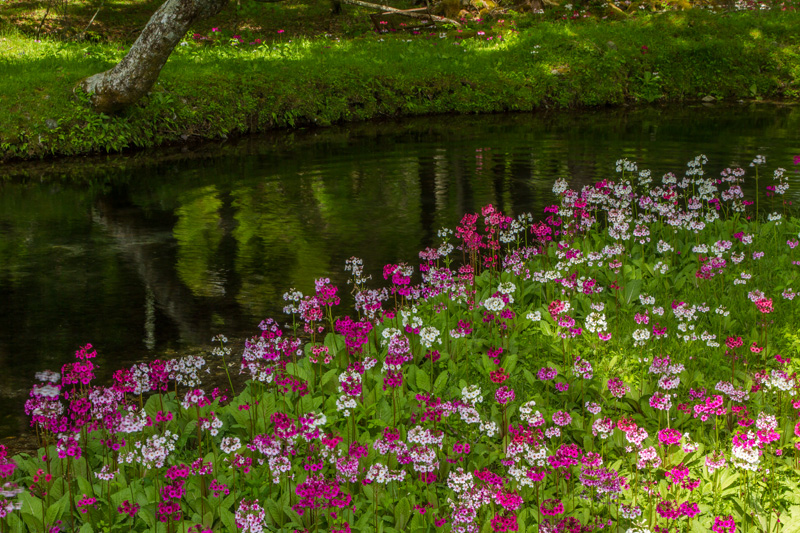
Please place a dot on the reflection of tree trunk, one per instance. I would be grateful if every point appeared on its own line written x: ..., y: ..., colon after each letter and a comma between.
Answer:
x: 144, y: 248
x: 134, y: 76
x: 521, y: 177
x: 498, y: 162
x: 427, y: 197
x: 463, y: 184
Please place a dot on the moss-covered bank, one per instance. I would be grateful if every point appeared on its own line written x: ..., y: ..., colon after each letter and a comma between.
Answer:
x: 217, y: 91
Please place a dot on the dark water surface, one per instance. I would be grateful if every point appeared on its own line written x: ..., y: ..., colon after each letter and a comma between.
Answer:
x: 150, y: 255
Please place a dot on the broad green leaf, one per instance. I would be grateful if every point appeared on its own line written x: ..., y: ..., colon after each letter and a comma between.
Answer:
x: 441, y: 382
x: 631, y: 290
x: 510, y: 363
x: 228, y: 520
x: 57, y: 509
x: 423, y: 380
x: 402, y: 513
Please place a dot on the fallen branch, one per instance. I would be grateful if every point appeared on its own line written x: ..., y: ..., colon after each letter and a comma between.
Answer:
x: 80, y: 36
x: 47, y: 12
x: 382, y: 7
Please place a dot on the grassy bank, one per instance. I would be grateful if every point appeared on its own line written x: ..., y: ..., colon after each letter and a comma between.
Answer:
x: 216, y: 90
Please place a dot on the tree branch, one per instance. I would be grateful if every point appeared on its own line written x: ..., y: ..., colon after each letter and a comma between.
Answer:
x: 382, y: 7
x: 80, y: 36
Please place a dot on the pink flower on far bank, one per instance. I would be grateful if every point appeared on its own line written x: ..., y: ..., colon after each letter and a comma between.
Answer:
x: 214, y: 30
x: 280, y: 31
x: 797, y: 160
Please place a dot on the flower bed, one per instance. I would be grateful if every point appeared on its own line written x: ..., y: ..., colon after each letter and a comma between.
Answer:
x: 624, y: 363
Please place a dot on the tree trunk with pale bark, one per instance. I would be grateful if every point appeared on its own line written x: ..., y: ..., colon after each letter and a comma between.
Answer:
x: 135, y: 75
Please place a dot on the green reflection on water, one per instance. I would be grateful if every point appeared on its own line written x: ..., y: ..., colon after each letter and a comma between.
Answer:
x: 199, y: 232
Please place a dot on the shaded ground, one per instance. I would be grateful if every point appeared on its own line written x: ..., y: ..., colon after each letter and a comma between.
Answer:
x: 120, y: 21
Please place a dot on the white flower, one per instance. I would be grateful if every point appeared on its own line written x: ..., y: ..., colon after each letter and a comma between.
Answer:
x: 230, y: 444
x: 494, y: 304
x: 429, y: 335
x: 507, y: 288
x: 488, y: 428
x: 345, y: 404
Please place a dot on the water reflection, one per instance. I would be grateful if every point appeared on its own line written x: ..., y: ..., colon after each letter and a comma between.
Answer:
x: 198, y: 233
x: 140, y: 257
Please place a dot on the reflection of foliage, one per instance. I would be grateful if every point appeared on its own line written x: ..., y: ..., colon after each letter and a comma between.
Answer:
x: 273, y: 251
x: 13, y: 254
x: 199, y: 233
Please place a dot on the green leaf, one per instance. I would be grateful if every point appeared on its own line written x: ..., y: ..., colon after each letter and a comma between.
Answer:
x: 402, y: 513
x: 228, y: 520
x: 295, y: 369
x: 488, y: 363
x: 274, y: 511
x: 329, y: 382
x: 57, y: 509
x: 511, y: 363
x: 33, y: 523
x: 631, y: 290
x: 528, y: 376
x: 293, y: 515
x: 441, y: 382
x: 423, y: 380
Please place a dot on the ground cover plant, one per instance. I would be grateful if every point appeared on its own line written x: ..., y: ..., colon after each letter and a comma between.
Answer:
x: 221, y: 82
x: 625, y: 362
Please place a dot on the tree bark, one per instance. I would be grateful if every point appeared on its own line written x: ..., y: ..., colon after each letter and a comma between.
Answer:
x: 135, y: 75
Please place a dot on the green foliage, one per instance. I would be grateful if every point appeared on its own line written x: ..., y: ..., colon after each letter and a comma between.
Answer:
x: 224, y: 87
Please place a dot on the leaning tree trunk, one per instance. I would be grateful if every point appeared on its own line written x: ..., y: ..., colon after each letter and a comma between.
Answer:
x: 138, y: 71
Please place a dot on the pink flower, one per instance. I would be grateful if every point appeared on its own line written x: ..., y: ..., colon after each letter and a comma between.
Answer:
x: 504, y: 395
x: 552, y: 507
x: 669, y: 436
x: 726, y: 525
x: 562, y: 418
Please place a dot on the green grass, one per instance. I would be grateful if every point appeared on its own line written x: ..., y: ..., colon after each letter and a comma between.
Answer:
x: 221, y: 90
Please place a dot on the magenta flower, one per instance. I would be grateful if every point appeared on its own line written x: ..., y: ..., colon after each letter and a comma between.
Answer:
x: 724, y: 525
x: 128, y: 508
x: 552, y: 507
x: 504, y: 395
x: 669, y: 436
x: 547, y: 373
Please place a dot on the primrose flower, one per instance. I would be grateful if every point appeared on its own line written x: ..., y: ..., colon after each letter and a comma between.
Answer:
x: 724, y: 525
x: 547, y: 373
x: 562, y: 418
x: 471, y: 394
x: 552, y: 507
x: 230, y: 444
x: 250, y: 517
x: 128, y: 508
x: 504, y: 395
x: 429, y: 335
